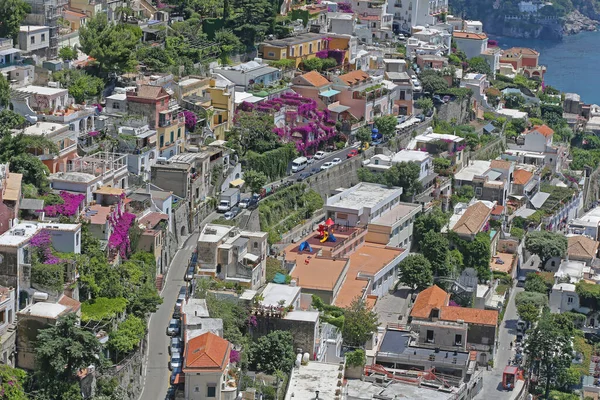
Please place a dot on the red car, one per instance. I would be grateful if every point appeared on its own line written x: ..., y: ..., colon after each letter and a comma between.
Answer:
x: 352, y: 153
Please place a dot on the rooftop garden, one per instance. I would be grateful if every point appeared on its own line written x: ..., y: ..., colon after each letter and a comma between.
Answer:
x: 120, y: 222
x: 69, y: 206
x: 558, y: 197
x: 102, y: 309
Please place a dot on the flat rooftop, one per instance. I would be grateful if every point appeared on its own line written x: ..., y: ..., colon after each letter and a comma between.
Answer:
x: 274, y: 293
x: 43, y: 90
x: 40, y: 128
x: 397, y: 342
x: 304, y: 381
x: 362, y: 390
x: 213, y: 233
x: 196, y: 308
x: 410, y: 156
x: 318, y: 273
x: 397, y: 212
x: 300, y: 315
x: 18, y: 234
x: 475, y: 168
x: 45, y: 310
x: 363, y: 195
x: 368, y: 259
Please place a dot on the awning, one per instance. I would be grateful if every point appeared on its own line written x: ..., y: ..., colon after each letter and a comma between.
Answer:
x: 237, y: 183
x: 252, y: 257
x: 337, y: 108
x: 9, y: 51
x: 493, y: 175
x: 329, y: 93
x: 539, y: 199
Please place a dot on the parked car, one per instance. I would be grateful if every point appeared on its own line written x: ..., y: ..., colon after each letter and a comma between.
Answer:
x: 171, y: 393
x: 521, y: 281
x: 421, y: 117
x: 176, y: 361
x: 231, y: 214
x: 189, y: 275
x: 352, y: 153
x: 336, y: 161
x: 244, y: 203
x: 446, y: 99
x: 175, y: 345
x: 173, y: 328
x: 327, y: 165
x: 310, y: 160
x: 174, y: 374
x: 303, y: 176
x: 314, y: 171
x: 402, y: 118
x: 320, y: 155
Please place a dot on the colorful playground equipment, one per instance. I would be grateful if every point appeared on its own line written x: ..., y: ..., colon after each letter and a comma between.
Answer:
x: 326, y: 231
x: 305, y: 246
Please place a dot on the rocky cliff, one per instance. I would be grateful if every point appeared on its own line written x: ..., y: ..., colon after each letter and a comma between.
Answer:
x: 576, y: 22
x: 526, y: 28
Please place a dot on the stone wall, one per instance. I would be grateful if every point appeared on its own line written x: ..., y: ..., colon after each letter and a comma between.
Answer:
x: 129, y: 373
x: 458, y: 110
x: 343, y: 175
x: 302, y: 331
x: 181, y: 221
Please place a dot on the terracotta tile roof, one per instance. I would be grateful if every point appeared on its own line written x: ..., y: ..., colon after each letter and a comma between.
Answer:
x: 521, y: 176
x: 473, y: 219
x: 152, y: 219
x: 543, y: 129
x: 315, y: 79
x: 500, y: 164
x: 521, y: 50
x: 206, y: 352
x: 469, y: 315
x: 67, y: 301
x: 75, y: 14
x: 427, y: 300
x: 354, y: 77
x: 369, y: 17
x: 498, y: 210
x: 150, y: 92
x: 469, y: 35
x: 582, y: 246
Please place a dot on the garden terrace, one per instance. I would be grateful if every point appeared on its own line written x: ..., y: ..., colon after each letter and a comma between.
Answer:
x: 558, y: 196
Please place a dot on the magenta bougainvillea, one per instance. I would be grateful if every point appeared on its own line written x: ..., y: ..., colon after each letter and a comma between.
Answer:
x: 43, y: 242
x: 93, y: 133
x: 345, y: 8
x: 306, y: 125
x: 70, y: 206
x: 234, y: 356
x: 190, y: 120
x: 322, y: 53
x: 119, y: 238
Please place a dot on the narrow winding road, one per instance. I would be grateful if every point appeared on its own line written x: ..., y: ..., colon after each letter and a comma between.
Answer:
x: 155, y: 371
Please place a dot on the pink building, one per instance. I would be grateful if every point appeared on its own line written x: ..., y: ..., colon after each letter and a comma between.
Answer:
x: 315, y: 86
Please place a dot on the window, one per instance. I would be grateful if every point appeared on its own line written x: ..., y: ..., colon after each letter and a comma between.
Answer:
x: 211, y: 390
x: 301, y: 49
x: 172, y: 136
x: 292, y: 50
x: 457, y: 340
x: 2, y: 316
x: 569, y: 300
x: 319, y: 46
x: 402, y: 95
x: 43, y: 37
x: 310, y: 47
x: 435, y: 313
x: 116, y: 105
x: 197, y: 389
x: 77, y: 239
x: 178, y: 133
x: 255, y: 245
x: 162, y: 140
x: 429, y: 336
x: 478, y: 191
x: 32, y: 40
x: 271, y: 54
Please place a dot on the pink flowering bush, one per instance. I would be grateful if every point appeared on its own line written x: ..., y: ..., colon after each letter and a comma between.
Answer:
x: 93, y: 133
x: 119, y: 238
x: 234, y: 356
x: 43, y: 243
x: 322, y: 53
x: 190, y: 120
x: 251, y: 321
x: 345, y: 8
x: 68, y: 208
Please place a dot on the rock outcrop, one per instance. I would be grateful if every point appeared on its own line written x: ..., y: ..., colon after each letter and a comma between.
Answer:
x: 576, y: 22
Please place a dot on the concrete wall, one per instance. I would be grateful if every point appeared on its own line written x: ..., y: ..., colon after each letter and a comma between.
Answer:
x: 342, y: 175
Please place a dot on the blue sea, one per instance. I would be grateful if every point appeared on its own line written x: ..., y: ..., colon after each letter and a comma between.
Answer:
x: 573, y: 64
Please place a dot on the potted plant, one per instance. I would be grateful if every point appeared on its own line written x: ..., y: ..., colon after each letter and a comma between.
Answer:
x: 355, y: 362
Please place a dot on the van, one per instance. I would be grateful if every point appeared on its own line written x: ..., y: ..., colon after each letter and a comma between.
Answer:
x: 299, y: 164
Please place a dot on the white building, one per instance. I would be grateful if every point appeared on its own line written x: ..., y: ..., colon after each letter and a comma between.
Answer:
x: 472, y: 44
x: 141, y: 152
x: 394, y: 227
x: 34, y: 38
x: 415, y: 12
x: 588, y: 224
x: 361, y: 204
x: 307, y: 380
x: 563, y: 298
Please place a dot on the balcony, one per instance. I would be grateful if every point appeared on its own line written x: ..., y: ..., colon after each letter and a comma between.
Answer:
x: 68, y: 149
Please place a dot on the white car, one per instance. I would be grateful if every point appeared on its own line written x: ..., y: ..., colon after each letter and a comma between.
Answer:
x: 327, y: 165
x: 336, y: 161
x: 320, y: 155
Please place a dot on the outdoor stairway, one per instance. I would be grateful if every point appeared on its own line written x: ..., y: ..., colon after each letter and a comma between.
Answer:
x: 159, y: 282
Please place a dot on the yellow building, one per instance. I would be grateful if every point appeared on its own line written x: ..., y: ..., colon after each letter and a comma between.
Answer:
x: 222, y: 107
x: 296, y: 48
x: 170, y: 132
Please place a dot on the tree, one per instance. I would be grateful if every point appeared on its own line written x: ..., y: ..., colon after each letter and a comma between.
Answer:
x: 228, y: 42
x: 68, y: 53
x: 273, y: 352
x: 312, y: 64
x: 425, y: 104
x: 360, y: 323
x: 477, y: 255
x: 386, y: 125
x: 111, y: 45
x: 435, y: 248
x: 363, y: 135
x: 4, y: 92
x: 528, y: 312
x: 12, y: 14
x: 546, y: 245
x: 432, y: 221
x: 255, y: 180
x: 513, y: 100
x: 253, y: 131
x: 33, y: 169
x: 415, y: 271
x: 539, y: 300
x: 433, y: 81
x: 81, y: 85
x: 61, y: 351
x: 535, y: 283
x: 405, y: 175
x: 127, y: 337
x: 479, y: 66
x: 441, y: 166
x: 548, y: 349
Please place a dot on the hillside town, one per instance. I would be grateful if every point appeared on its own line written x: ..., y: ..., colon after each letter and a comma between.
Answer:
x: 340, y: 200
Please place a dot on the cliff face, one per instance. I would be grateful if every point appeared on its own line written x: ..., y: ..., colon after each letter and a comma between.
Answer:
x: 524, y: 28
x: 576, y: 22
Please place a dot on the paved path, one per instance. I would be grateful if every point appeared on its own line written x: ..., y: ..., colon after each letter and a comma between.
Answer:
x: 155, y: 371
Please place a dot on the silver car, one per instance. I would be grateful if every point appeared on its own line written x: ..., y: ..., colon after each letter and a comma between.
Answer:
x: 175, y: 346
x: 173, y: 328
x: 327, y: 165
x: 176, y: 361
